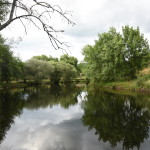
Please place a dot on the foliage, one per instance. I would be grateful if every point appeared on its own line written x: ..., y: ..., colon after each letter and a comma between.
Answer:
x: 116, y: 57
x: 136, y: 50
x: 4, y: 9
x: 62, y: 71
x: 69, y: 59
x: 68, y: 71
x: 10, y: 66
x: 37, y: 69
x: 46, y: 58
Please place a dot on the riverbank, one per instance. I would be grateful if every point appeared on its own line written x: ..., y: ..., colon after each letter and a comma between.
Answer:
x: 128, y: 86
x: 79, y: 82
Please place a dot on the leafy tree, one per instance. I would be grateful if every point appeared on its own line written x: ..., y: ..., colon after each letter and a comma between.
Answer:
x: 39, y: 13
x: 105, y: 58
x: 10, y: 66
x: 5, y: 61
x: 136, y: 50
x: 62, y: 71
x: 17, y: 68
x: 69, y: 59
x: 68, y: 71
x: 37, y: 69
x: 116, y: 57
x: 55, y: 76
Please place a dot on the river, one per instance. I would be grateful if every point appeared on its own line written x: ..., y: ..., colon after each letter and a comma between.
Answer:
x: 69, y: 118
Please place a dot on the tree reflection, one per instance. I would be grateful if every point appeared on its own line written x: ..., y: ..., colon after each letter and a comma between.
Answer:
x: 56, y: 95
x: 12, y: 102
x: 117, y: 118
x: 10, y: 106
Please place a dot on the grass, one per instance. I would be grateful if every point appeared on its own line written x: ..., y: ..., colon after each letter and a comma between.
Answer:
x: 141, y: 84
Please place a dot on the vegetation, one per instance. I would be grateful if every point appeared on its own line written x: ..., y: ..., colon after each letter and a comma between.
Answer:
x: 10, y: 66
x: 35, y: 69
x: 115, y: 56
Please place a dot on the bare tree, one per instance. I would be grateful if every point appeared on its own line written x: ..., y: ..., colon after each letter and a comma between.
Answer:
x: 19, y: 10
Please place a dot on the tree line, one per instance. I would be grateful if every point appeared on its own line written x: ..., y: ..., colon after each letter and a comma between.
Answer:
x: 37, y: 68
x: 116, y: 56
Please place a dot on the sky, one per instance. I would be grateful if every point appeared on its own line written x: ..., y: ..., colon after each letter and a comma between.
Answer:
x: 92, y: 17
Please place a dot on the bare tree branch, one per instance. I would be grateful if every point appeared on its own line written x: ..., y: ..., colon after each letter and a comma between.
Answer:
x: 31, y: 13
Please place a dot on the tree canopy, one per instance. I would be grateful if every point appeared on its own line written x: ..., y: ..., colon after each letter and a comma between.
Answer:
x: 10, y: 66
x: 116, y: 56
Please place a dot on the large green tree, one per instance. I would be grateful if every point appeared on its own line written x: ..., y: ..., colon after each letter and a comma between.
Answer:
x: 5, y: 60
x: 10, y: 66
x: 136, y: 50
x: 37, y: 70
x: 116, y: 56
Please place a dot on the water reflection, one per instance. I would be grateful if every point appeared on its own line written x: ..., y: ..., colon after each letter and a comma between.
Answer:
x: 117, y: 118
x: 43, y: 97
x: 10, y: 106
x: 58, y: 118
x: 12, y: 102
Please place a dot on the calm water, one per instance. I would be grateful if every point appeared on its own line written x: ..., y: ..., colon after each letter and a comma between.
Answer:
x: 67, y: 118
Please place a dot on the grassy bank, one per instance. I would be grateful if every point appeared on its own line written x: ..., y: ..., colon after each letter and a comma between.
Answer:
x: 79, y: 82
x: 141, y: 84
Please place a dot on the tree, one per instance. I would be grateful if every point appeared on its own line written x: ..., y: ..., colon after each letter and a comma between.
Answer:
x: 69, y: 59
x: 68, y: 72
x: 5, y: 61
x: 105, y: 58
x: 62, y: 71
x: 4, y: 5
x: 10, y: 66
x: 116, y: 56
x: 17, y: 68
x: 46, y: 58
x: 39, y: 13
x: 55, y: 76
x: 37, y: 69
x: 136, y: 50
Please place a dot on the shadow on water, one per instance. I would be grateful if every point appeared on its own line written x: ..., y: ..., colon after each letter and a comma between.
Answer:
x: 117, y: 118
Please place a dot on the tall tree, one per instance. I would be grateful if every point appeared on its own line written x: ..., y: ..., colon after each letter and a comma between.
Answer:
x: 116, y: 56
x: 5, y: 61
x: 136, y: 50
x: 39, y: 13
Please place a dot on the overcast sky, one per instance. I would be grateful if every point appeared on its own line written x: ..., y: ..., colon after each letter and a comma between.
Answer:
x: 91, y: 17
